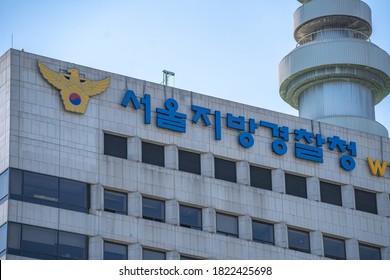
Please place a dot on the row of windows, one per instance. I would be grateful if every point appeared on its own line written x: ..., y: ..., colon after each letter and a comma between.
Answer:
x: 226, y: 170
x: 191, y: 217
x: 43, y: 243
x: 46, y: 190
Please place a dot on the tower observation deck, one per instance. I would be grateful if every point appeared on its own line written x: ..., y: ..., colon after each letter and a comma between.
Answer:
x: 335, y: 74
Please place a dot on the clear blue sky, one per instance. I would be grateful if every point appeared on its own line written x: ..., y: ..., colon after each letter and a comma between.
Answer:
x: 225, y: 48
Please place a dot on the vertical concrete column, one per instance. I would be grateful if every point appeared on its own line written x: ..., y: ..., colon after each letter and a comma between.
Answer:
x: 134, y: 252
x: 281, y: 235
x: 386, y: 253
x: 316, y: 243
x: 278, y: 181
x: 352, y: 249
x: 348, y: 196
x: 97, y: 199
x: 172, y: 215
x: 245, y: 227
x: 134, y: 204
x: 172, y: 255
x: 134, y: 149
x: 207, y: 165
x: 209, y: 220
x: 243, y: 173
x: 171, y: 157
x: 313, y: 188
x: 383, y: 204
x: 95, y: 248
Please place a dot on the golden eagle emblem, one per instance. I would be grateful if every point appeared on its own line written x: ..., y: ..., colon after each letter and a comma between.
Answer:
x: 74, y: 90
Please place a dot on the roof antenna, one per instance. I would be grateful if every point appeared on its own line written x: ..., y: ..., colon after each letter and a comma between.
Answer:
x: 166, y: 75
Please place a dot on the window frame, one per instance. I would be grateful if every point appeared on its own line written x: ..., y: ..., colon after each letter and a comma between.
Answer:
x: 153, y: 251
x: 254, y: 180
x: 156, y: 156
x: 151, y: 217
x: 112, y: 210
x: 292, y: 189
x: 113, y: 140
x: 272, y: 233
x: 291, y: 246
x: 326, y: 187
x: 330, y: 255
x: 188, y: 225
x: 362, y: 204
x: 372, y: 247
x: 223, y: 232
x: 191, y: 166
x: 220, y: 171
x: 118, y: 245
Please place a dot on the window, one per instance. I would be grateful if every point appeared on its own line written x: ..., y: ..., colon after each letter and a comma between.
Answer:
x: 44, y: 243
x: 365, y: 201
x: 330, y: 193
x: 49, y: 190
x: 153, y: 154
x: 3, y: 239
x: 189, y: 162
x: 4, y: 179
x: 225, y: 170
x: 188, y: 258
x: 334, y: 248
x: 153, y: 209
x: 296, y: 185
x: 148, y: 254
x: 113, y: 251
x: 298, y: 240
x: 261, y: 177
x: 263, y: 232
x: 190, y: 217
x: 367, y: 252
x: 115, y: 202
x: 115, y: 146
x: 73, y: 195
x: 227, y: 225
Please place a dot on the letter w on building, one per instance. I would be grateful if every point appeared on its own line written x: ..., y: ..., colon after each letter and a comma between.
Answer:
x: 377, y: 167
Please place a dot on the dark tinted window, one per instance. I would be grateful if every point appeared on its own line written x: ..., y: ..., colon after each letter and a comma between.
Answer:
x: 115, y: 202
x: 225, y: 170
x: 113, y: 251
x: 190, y: 217
x: 227, y: 225
x: 153, y: 209
x: 330, y: 193
x: 73, y: 195
x: 369, y: 252
x: 263, y: 232
x: 49, y: 190
x: 153, y: 154
x: 298, y: 240
x: 39, y: 188
x: 72, y: 246
x: 334, y: 248
x: 260, y: 178
x: 296, y: 185
x: 44, y: 243
x: 115, y: 146
x: 148, y: 254
x: 189, y: 162
x: 3, y: 239
x: 365, y: 201
x: 4, y: 179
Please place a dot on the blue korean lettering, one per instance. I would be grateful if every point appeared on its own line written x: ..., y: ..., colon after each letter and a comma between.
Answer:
x: 235, y: 122
x: 347, y: 162
x: 169, y: 118
x: 201, y: 112
x: 218, y: 131
x: 302, y: 133
x: 130, y: 96
x: 279, y: 147
x: 246, y: 139
x: 309, y: 153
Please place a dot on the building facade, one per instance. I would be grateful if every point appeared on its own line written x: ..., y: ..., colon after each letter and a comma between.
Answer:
x: 149, y: 171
